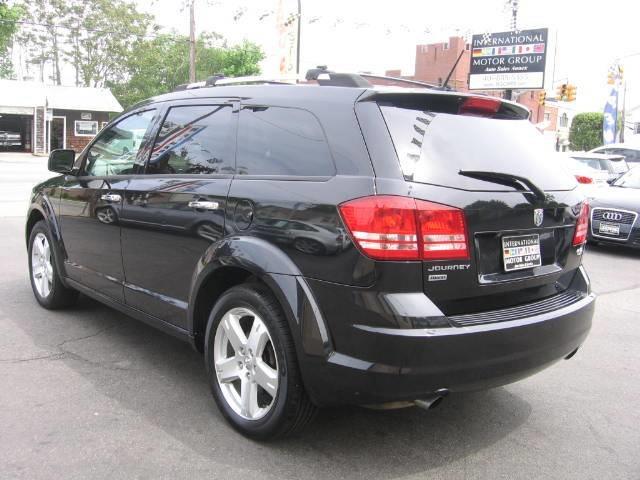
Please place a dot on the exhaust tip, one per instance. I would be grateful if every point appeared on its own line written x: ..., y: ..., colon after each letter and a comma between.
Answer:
x: 433, y: 400
x: 572, y: 354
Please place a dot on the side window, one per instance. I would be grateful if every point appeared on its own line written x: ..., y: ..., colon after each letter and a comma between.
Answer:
x: 630, y: 155
x: 195, y: 139
x: 116, y: 149
x: 282, y: 141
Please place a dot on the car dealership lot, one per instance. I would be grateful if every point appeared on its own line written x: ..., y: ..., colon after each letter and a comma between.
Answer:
x: 91, y: 393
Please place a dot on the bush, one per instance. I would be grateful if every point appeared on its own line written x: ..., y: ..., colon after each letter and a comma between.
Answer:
x: 586, y: 131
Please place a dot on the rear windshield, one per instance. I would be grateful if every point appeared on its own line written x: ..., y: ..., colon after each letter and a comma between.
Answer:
x: 619, y: 166
x: 433, y: 147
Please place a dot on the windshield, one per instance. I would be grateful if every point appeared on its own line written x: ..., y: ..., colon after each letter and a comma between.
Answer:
x: 619, y: 166
x: 594, y: 163
x: 631, y: 179
x: 430, y: 150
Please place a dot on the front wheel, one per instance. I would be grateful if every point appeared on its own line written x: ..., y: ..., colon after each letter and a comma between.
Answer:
x: 252, y: 366
x: 45, y: 278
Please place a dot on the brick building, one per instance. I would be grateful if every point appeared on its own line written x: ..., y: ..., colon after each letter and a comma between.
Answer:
x: 49, y: 117
x: 435, y: 60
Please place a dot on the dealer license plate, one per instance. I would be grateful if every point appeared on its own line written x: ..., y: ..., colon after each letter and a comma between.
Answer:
x: 522, y: 251
x: 609, y: 228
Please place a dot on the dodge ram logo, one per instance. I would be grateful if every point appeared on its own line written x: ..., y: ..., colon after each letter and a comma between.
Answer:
x: 538, y: 216
x: 612, y: 216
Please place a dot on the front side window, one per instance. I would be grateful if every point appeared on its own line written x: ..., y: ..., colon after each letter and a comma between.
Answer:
x: 282, y: 141
x: 630, y: 155
x: 115, y: 151
x: 196, y: 139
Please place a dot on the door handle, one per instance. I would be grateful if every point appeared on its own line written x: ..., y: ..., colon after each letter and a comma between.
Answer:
x: 111, y: 197
x: 204, y: 205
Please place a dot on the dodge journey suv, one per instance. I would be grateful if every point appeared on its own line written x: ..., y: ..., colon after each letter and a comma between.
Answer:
x: 324, y: 245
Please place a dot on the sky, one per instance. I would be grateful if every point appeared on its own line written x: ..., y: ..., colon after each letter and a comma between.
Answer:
x: 359, y: 35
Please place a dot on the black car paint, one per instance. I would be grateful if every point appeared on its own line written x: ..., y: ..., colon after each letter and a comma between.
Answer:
x: 359, y: 325
x: 618, y: 198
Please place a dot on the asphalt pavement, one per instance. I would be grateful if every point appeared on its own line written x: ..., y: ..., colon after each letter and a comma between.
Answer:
x: 89, y: 393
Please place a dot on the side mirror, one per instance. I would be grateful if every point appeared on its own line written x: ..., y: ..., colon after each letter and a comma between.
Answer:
x: 61, y: 161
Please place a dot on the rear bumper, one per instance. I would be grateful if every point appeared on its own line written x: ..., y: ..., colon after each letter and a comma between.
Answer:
x: 407, y: 364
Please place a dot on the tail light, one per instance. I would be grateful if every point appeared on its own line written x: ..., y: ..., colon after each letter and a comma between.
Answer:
x: 483, y: 106
x: 582, y: 225
x: 584, y: 179
x: 401, y: 228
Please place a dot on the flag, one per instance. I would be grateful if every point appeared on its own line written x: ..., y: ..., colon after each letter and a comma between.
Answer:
x: 610, y: 122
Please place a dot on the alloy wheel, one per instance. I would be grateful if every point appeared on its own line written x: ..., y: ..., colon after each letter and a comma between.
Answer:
x: 41, y: 267
x: 245, y: 363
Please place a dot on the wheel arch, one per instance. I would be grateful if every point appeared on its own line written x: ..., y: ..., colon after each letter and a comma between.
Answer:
x: 243, y: 259
x: 42, y: 210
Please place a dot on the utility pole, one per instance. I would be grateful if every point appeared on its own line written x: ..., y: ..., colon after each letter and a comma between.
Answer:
x: 624, y: 111
x: 298, y: 46
x: 513, y: 6
x: 192, y: 41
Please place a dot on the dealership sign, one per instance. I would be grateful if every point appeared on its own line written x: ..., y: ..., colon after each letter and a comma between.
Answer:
x: 508, y: 60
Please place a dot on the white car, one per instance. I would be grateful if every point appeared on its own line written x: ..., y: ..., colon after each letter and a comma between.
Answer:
x: 590, y: 180
x: 630, y: 152
x: 613, y: 165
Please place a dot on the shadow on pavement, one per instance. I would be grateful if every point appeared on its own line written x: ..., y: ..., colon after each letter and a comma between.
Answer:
x: 163, y: 380
x: 615, y: 250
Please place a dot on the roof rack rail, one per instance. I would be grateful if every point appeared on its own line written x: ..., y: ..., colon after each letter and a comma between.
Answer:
x: 220, y: 80
x: 320, y: 74
x: 327, y: 77
x: 259, y: 79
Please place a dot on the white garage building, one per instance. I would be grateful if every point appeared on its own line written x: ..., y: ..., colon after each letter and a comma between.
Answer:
x: 50, y: 116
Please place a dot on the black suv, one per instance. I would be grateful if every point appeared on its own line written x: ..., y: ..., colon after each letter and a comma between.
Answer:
x: 324, y: 245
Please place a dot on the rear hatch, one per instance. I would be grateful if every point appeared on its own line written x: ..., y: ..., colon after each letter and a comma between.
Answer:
x: 483, y: 156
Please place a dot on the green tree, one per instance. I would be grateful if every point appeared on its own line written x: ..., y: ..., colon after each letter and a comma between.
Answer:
x: 100, y: 38
x: 41, y: 38
x: 160, y: 64
x: 8, y: 27
x: 586, y: 131
x: 242, y: 60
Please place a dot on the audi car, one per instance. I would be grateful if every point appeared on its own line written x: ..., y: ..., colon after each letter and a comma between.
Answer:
x: 614, y: 213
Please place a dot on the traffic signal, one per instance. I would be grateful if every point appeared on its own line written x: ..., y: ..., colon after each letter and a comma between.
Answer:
x: 561, y: 92
x: 542, y: 97
x: 571, y: 93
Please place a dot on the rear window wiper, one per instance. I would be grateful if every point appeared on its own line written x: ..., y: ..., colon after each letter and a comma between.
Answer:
x: 507, y: 179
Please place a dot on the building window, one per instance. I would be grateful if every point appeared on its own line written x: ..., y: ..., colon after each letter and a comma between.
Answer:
x: 564, y: 120
x: 467, y: 46
x: 445, y: 46
x: 531, y: 94
x: 547, y: 116
x: 103, y: 124
x: 85, y: 128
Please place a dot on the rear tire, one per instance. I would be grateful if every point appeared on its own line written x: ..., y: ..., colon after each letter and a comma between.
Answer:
x: 249, y: 354
x: 43, y: 273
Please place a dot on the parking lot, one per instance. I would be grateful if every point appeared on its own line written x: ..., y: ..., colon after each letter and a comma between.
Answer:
x: 92, y: 393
